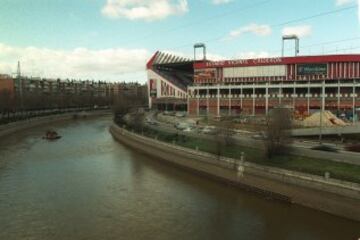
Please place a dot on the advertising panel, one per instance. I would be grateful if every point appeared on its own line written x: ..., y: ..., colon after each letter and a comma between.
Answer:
x: 205, y: 74
x: 311, y: 69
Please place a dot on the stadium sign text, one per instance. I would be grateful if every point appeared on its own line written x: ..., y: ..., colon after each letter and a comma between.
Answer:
x: 250, y: 62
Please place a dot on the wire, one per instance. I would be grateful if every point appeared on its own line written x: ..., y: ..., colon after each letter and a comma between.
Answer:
x: 211, y: 18
x: 278, y: 25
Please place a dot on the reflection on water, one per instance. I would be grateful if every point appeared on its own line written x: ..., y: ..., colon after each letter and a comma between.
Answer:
x: 87, y: 186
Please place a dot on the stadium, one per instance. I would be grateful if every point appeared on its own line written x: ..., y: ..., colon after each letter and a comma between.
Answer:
x: 255, y: 86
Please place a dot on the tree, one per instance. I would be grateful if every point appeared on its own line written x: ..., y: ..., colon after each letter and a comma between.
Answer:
x: 6, y: 102
x: 277, y: 135
x: 223, y: 137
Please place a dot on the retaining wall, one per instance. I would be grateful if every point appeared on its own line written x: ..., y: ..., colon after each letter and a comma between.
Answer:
x: 10, y: 128
x: 329, y: 195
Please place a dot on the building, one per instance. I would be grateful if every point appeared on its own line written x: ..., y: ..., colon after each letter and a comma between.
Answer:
x: 34, y: 93
x: 168, y: 79
x: 255, y: 86
x: 6, y: 85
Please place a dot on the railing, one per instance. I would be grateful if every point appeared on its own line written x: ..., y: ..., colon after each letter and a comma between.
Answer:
x: 289, y: 95
x: 9, y: 117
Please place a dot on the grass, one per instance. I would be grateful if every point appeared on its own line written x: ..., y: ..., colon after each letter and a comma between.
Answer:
x: 341, y: 171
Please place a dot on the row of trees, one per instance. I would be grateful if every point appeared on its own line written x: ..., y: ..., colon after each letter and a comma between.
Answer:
x: 130, y: 99
x: 15, y: 107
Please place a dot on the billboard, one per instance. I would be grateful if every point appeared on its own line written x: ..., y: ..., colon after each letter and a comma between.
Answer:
x: 312, y: 69
x: 153, y: 88
x: 205, y: 74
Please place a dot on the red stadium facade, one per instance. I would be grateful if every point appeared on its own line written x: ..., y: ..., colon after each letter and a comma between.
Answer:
x: 255, y: 86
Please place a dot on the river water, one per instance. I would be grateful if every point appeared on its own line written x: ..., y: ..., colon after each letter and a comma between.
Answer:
x: 87, y: 186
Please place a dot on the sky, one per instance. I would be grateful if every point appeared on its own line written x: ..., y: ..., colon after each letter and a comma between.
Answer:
x: 111, y: 40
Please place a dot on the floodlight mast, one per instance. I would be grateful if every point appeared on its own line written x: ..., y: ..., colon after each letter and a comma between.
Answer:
x: 200, y: 45
x: 291, y: 37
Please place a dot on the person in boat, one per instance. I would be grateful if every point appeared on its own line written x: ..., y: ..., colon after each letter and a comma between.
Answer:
x: 50, y: 134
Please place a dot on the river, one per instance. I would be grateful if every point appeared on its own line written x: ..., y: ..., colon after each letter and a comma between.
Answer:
x: 88, y: 186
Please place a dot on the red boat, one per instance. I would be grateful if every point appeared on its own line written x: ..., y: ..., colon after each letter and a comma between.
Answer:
x: 51, y: 135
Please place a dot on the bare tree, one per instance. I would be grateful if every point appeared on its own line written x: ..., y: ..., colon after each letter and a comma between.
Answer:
x: 6, y: 103
x: 223, y: 137
x: 277, y: 135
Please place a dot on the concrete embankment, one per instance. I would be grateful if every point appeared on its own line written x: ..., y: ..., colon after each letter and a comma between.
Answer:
x: 33, y: 122
x: 329, y: 195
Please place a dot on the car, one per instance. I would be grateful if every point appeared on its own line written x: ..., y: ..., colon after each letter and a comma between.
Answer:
x: 325, y: 147
x: 260, y: 136
x: 208, y: 130
x: 180, y: 114
x: 181, y: 125
x: 188, y: 129
x: 151, y: 122
x: 353, y: 147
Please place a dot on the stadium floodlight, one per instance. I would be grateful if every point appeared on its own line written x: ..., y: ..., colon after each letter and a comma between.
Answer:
x: 291, y: 37
x: 200, y: 45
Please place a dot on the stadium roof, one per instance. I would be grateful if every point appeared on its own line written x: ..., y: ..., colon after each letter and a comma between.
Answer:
x: 162, y: 58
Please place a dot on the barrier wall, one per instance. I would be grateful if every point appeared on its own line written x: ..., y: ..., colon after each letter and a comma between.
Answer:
x: 329, y: 195
x: 10, y: 128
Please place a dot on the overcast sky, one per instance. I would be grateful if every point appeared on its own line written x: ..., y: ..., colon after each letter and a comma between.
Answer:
x: 112, y: 39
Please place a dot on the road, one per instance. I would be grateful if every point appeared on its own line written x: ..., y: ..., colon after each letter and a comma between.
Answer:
x: 300, y: 147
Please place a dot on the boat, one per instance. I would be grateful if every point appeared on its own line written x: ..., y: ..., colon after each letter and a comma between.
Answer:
x: 51, y: 135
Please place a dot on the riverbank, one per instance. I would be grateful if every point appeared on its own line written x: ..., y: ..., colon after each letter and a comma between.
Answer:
x: 333, y: 196
x: 14, y: 127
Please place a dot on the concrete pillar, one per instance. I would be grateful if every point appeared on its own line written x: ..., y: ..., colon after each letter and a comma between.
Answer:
x: 267, y: 99
x: 280, y: 94
x: 354, y: 104
x: 294, y: 98
x: 322, y: 109
x: 218, y: 101
x: 188, y: 103
x: 207, y: 102
x: 338, y: 96
x: 308, y: 98
x: 241, y: 98
x: 197, y: 103
x: 253, y: 107
x: 230, y: 97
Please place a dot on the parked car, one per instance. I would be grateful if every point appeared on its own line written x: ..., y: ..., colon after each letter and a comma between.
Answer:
x: 180, y: 114
x: 259, y: 136
x: 181, y: 125
x: 353, y: 147
x: 188, y: 129
x: 325, y: 147
x: 208, y: 130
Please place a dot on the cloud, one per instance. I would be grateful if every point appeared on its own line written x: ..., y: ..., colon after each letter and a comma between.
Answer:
x: 209, y: 56
x: 218, y: 2
x: 300, y: 31
x: 344, y: 2
x: 259, y: 30
x: 341, y: 3
x: 251, y: 55
x: 115, y: 64
x: 148, y: 10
